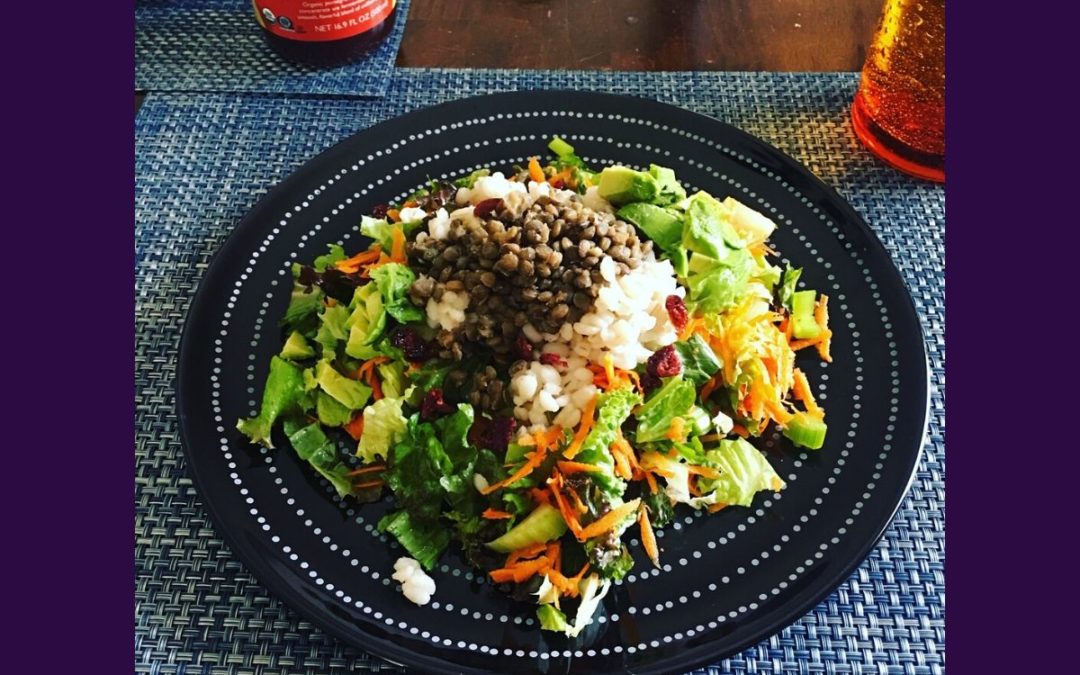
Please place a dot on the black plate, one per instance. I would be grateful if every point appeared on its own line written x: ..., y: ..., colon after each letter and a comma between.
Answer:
x: 728, y: 580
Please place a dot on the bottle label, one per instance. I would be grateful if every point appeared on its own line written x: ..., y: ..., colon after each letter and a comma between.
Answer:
x: 321, y: 20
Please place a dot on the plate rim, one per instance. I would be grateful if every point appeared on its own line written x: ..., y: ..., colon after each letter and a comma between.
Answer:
x: 387, y: 648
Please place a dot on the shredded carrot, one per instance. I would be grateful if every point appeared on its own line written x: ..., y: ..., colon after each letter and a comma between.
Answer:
x: 567, y: 586
x: 525, y: 553
x: 578, y: 504
x: 330, y: 302
x: 521, y: 571
x: 577, y: 467
x: 535, y: 172
x: 678, y: 430
x: 397, y: 248
x: 803, y: 393
x: 648, y: 538
x: 740, y: 430
x: 583, y: 430
x: 540, y: 496
x: 353, y: 264
x: 555, y: 485
x: 554, y: 554
x: 393, y: 215
x: 495, y: 514
x: 777, y: 412
x: 622, y: 464
x: 369, y: 484
x: 703, y: 471
x: 355, y: 427
x: 692, y: 486
x: 367, y: 469
x: 609, y: 369
x: 535, y: 459
x: 608, y: 521
x: 691, y: 327
x: 709, y: 387
x: 713, y: 508
x: 651, y: 481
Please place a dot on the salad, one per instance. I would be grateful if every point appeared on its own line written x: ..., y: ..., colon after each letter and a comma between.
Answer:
x: 530, y: 365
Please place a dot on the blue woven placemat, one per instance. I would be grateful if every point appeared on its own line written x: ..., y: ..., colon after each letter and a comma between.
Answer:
x: 203, y: 161
x: 216, y: 46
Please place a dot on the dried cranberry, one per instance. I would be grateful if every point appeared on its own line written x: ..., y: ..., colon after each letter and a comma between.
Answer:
x: 434, y: 406
x: 379, y: 211
x: 415, y: 348
x: 649, y: 383
x: 484, y: 208
x: 676, y: 309
x: 553, y: 360
x: 497, y: 434
x: 523, y: 349
x: 664, y: 363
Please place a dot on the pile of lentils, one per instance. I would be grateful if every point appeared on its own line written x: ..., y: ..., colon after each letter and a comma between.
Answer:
x: 538, y: 265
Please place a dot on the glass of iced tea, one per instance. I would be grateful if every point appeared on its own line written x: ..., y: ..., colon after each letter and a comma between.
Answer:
x: 899, y: 109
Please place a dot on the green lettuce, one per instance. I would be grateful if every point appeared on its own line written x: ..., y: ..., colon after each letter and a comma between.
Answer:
x: 330, y: 411
x: 382, y: 231
x: 393, y: 281
x: 332, y: 330
x: 787, y: 286
x: 366, y: 323
x: 717, y: 284
x: 384, y: 425
x: 612, y: 409
x: 392, y: 378
x: 661, y: 510
x: 699, y: 361
x: 470, y: 180
x: 416, y: 466
x: 283, y: 393
x: 312, y: 445
x: 336, y: 254
x: 744, y: 471
x: 304, y: 303
x: 674, y: 399
x: 424, y: 540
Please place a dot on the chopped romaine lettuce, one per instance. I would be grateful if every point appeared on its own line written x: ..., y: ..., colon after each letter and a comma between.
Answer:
x: 707, y: 229
x: 674, y: 399
x: 393, y: 281
x: 744, y: 471
x: 699, y: 361
x: 366, y: 323
x: 336, y: 254
x: 330, y: 411
x: 787, y: 286
x: 296, y: 348
x: 392, y: 378
x: 717, y: 284
x: 384, y: 425
x: 612, y: 409
x: 424, y: 540
x: 332, y: 330
x: 283, y: 392
x: 304, y: 303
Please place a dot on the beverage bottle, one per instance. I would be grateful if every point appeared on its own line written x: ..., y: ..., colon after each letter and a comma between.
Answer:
x: 899, y: 109
x: 324, y: 32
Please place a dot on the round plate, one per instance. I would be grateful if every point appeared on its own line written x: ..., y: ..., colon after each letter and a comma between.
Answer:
x: 728, y: 580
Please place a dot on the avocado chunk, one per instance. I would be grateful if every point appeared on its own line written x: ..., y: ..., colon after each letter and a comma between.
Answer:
x: 658, y: 224
x: 622, y: 185
x: 670, y: 190
x: 297, y: 348
x: 542, y: 525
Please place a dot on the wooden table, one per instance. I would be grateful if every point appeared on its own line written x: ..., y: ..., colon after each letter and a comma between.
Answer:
x: 640, y: 34
x: 765, y: 35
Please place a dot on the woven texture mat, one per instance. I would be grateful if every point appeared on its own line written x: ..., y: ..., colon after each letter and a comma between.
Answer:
x: 203, y: 161
x: 216, y: 46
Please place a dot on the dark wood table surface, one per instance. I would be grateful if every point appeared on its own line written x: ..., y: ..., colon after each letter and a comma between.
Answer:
x: 762, y: 35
